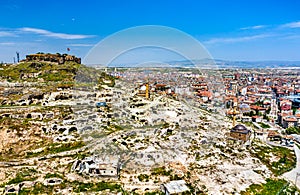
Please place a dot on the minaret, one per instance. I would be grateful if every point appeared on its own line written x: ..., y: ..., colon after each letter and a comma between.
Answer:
x: 235, y: 107
x: 147, y: 95
x: 234, y: 113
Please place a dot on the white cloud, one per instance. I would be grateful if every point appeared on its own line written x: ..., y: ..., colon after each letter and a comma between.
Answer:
x: 81, y: 45
x: 53, y: 34
x: 7, y: 43
x: 294, y: 37
x: 291, y: 25
x: 254, y: 27
x: 236, y: 39
x: 7, y: 34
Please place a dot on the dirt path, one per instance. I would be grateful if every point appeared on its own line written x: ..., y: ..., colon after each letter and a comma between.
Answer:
x: 291, y: 175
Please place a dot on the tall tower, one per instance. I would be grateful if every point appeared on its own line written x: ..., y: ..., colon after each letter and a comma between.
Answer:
x: 235, y: 110
x: 147, y: 95
x: 234, y: 113
x: 235, y: 105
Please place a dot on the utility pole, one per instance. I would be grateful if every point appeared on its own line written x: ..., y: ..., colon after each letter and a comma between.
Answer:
x: 18, y: 56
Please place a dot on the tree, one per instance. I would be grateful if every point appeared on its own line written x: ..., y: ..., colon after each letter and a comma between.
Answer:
x: 292, y: 130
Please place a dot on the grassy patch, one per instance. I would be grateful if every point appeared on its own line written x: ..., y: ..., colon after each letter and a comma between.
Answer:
x: 264, y: 126
x: 47, y: 71
x: 154, y: 193
x: 25, y: 174
x: 38, y: 188
x: 57, y: 148
x: 51, y: 175
x: 293, y: 130
x: 78, y: 187
x: 285, y: 159
x: 160, y: 171
x: 106, y: 77
x: 94, y: 187
x: 52, y: 72
x: 271, y: 187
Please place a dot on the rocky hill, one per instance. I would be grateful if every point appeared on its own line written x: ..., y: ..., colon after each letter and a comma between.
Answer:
x: 67, y: 128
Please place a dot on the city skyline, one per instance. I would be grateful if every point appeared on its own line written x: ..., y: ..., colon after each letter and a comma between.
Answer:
x: 236, y: 30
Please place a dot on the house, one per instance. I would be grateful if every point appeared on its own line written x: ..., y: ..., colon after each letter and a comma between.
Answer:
x: 288, y: 140
x: 286, y: 107
x: 274, y: 135
x: 205, y: 96
x: 240, y: 132
x: 297, y: 115
x: 246, y: 119
x: 285, y: 104
x: 283, y: 114
x: 256, y: 119
x: 289, y: 121
x: 259, y: 133
x: 258, y: 109
x: 297, y: 92
x: 266, y: 103
x: 174, y: 187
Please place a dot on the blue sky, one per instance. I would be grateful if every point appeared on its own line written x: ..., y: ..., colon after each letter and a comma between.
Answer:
x: 229, y: 29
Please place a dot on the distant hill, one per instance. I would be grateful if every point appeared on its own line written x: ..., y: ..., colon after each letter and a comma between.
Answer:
x: 217, y: 63
x: 258, y: 64
x: 237, y: 64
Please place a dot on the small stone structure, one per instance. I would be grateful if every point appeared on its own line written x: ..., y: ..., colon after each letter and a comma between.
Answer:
x: 174, y: 187
x: 240, y: 132
x: 97, y: 166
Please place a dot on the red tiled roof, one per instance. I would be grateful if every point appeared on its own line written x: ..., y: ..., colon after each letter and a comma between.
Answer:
x: 160, y: 85
x: 204, y: 93
x: 273, y: 133
x: 256, y: 116
x: 290, y: 119
x: 254, y: 107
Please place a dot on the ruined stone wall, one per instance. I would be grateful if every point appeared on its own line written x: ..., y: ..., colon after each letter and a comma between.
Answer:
x: 60, y: 59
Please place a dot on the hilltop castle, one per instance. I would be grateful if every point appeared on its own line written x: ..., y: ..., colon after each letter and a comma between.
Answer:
x: 58, y: 58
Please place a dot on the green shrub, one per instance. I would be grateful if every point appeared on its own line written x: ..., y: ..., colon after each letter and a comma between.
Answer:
x: 143, y: 177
